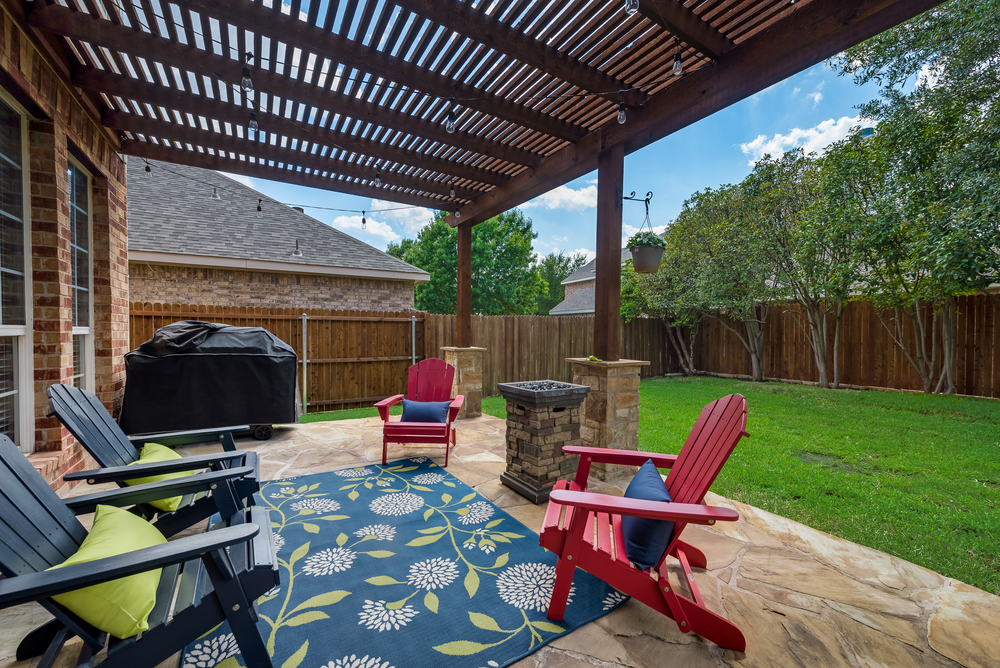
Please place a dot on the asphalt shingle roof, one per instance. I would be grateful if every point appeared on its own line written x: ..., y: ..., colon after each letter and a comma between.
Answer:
x: 172, y: 213
x: 581, y: 300
x: 589, y: 270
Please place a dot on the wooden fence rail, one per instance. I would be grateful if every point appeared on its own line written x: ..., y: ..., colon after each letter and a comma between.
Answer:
x: 358, y: 357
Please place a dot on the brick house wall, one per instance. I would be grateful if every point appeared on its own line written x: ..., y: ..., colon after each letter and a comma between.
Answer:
x: 573, y: 288
x: 171, y: 284
x: 60, y: 124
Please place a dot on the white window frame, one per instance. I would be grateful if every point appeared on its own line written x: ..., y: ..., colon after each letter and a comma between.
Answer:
x: 87, y: 332
x: 24, y: 376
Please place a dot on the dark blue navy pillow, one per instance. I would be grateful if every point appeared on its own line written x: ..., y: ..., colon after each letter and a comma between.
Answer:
x: 646, y: 540
x: 425, y: 411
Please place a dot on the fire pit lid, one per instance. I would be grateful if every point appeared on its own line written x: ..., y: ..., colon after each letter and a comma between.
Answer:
x: 544, y: 392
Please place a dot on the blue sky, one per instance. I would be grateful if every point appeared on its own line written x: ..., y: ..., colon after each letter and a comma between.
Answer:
x: 810, y: 109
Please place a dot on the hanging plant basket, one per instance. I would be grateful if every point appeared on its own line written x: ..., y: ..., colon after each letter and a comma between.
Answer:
x: 646, y: 259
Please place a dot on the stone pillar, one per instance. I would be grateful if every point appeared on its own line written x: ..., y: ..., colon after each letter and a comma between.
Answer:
x: 468, y: 363
x: 611, y: 410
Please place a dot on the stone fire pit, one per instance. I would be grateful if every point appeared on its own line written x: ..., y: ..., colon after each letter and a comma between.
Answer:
x: 542, y: 417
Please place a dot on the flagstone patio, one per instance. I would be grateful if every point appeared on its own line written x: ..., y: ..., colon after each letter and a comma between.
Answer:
x: 801, y: 597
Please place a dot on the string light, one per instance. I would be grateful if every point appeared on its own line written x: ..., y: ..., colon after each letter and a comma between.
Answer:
x: 260, y: 212
x: 364, y: 223
x: 678, y: 66
x: 296, y: 252
x: 378, y: 180
x: 452, y: 190
x: 215, y: 194
x: 247, y: 82
x: 253, y: 126
x: 621, y: 113
x: 449, y: 124
x: 149, y: 172
x: 631, y: 7
x: 458, y: 214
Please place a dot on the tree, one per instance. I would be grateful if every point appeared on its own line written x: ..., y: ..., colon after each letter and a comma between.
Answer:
x: 399, y: 250
x: 554, y: 268
x: 504, y: 281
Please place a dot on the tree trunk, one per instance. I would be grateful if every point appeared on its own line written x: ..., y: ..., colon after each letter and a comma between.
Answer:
x: 755, y: 339
x: 924, y: 363
x: 684, y: 349
x: 946, y: 384
x: 837, y: 329
x: 816, y: 316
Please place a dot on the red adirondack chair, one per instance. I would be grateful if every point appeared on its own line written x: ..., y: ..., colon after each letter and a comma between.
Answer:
x: 428, y: 380
x: 571, y: 535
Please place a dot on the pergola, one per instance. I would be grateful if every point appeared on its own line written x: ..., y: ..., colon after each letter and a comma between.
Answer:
x: 473, y: 106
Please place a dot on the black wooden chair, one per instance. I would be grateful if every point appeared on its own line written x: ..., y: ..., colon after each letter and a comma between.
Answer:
x: 83, y: 414
x: 206, y: 579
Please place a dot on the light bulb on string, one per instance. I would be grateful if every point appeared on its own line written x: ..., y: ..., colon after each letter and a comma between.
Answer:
x: 149, y: 172
x: 215, y: 194
x: 247, y: 83
x: 260, y: 212
x: 378, y: 180
x: 678, y: 66
x: 449, y: 124
x: 458, y: 214
x: 621, y: 113
x: 631, y: 7
x: 296, y: 252
x: 364, y: 223
x: 452, y: 190
x: 252, y: 125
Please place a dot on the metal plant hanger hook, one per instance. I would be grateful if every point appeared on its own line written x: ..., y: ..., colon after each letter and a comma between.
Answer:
x: 644, y: 200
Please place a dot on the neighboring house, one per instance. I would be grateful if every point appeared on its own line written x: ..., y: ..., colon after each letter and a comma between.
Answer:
x: 185, y: 247
x: 580, y: 289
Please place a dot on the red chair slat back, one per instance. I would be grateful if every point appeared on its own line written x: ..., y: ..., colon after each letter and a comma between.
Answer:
x: 430, y: 380
x: 720, y: 427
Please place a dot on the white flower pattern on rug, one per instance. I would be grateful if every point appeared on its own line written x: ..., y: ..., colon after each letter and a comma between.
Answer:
x: 329, y: 561
x: 418, y: 460
x: 613, y: 599
x: 428, y: 478
x: 278, y: 541
x: 211, y: 652
x: 319, y: 505
x: 355, y: 473
x: 528, y: 586
x: 353, y: 661
x: 380, y: 531
x: 375, y: 615
x: 480, y: 511
x: 398, y: 503
x: 432, y: 573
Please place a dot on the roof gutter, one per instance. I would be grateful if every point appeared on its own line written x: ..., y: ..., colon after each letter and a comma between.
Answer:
x: 180, y: 259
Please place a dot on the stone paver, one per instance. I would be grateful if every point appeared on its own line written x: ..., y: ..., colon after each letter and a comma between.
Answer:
x: 800, y: 596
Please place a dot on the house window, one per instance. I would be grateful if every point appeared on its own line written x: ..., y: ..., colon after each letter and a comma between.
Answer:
x: 15, y: 359
x: 80, y: 247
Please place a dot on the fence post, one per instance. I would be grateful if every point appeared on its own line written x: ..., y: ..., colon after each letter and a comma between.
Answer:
x: 305, y: 364
x: 413, y: 339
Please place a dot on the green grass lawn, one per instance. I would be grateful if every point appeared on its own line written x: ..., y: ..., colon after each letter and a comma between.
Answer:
x: 913, y: 475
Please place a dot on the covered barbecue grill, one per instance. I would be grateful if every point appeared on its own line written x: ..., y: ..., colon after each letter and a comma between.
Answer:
x: 202, y: 375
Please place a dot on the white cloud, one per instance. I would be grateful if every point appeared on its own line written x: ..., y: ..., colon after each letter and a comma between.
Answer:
x: 374, y: 228
x: 239, y: 178
x: 558, y: 238
x: 410, y: 220
x: 593, y: 182
x: 813, y: 139
x: 586, y: 252
x: 796, y: 91
x: 566, y: 198
x: 628, y: 231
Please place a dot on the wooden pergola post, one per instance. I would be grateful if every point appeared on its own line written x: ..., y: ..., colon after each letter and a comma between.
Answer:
x: 463, y: 335
x: 608, y: 284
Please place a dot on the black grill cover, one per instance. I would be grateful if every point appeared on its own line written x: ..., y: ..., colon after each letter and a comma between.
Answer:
x: 200, y: 375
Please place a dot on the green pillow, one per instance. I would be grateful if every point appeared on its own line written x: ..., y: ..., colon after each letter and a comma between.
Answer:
x: 120, y: 607
x: 154, y: 452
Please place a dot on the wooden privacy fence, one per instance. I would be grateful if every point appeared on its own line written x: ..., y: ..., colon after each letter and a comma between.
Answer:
x: 353, y: 357
x: 869, y: 355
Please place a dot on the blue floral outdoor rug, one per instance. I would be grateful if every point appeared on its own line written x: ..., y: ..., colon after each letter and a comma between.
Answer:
x: 402, y: 566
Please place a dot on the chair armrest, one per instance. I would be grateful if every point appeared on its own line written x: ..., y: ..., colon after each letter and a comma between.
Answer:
x: 171, y: 438
x: 383, y: 406
x: 118, y: 473
x: 612, y: 456
x: 694, y: 513
x: 455, y: 406
x: 33, y: 586
x: 154, y: 491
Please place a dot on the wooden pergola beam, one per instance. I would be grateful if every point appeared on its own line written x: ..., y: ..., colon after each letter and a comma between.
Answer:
x: 797, y: 42
x: 674, y: 17
x: 205, y: 161
x: 156, y: 95
x: 265, y: 151
x: 295, y: 33
x: 469, y: 22
x: 80, y: 25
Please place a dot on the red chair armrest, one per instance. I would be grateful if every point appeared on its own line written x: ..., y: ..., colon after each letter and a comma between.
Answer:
x: 383, y: 406
x: 612, y: 456
x: 694, y: 513
x: 456, y: 405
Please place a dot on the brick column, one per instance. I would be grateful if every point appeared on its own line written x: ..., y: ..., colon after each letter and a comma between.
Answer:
x: 51, y: 275
x: 468, y: 363
x: 111, y: 289
x: 611, y: 410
